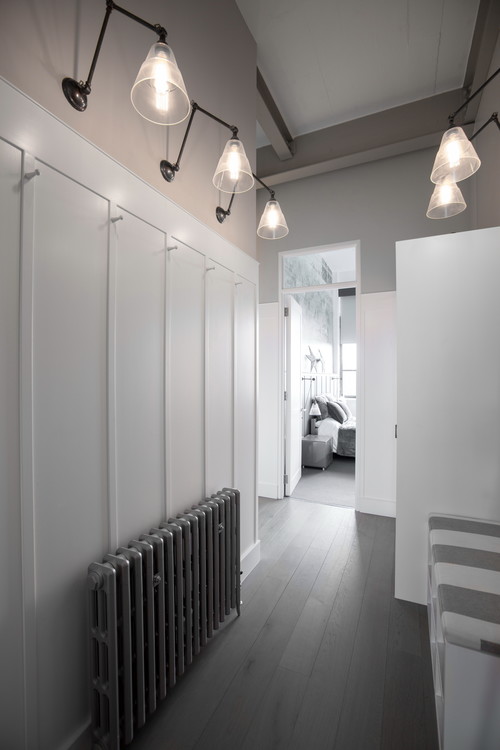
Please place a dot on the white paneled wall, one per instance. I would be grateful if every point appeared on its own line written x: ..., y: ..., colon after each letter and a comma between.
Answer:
x: 245, y: 400
x: 219, y: 376
x: 186, y: 375
x: 138, y: 318
x: 69, y: 431
x: 135, y: 395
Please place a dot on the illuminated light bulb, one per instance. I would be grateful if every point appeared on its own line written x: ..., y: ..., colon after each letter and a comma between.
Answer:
x: 234, y: 164
x: 272, y: 218
x: 161, y: 87
x: 453, y: 153
x: 445, y: 193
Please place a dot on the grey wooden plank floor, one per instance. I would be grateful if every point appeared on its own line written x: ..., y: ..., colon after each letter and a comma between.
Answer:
x: 322, y: 658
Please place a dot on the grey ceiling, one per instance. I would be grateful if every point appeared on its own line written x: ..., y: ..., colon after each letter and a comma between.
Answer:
x: 327, y: 62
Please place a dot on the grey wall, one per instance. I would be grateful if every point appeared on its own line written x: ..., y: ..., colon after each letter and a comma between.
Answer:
x: 487, y: 144
x: 41, y: 41
x: 377, y: 203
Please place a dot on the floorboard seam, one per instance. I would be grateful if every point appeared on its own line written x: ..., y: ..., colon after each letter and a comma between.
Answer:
x: 353, y: 643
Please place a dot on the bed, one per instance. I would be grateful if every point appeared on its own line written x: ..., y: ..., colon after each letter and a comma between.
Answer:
x: 338, y: 423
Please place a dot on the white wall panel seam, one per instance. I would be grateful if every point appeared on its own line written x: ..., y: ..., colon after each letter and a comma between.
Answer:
x: 206, y: 421
x: 27, y: 455
x: 166, y: 391
x: 113, y: 519
x: 168, y: 382
x: 234, y: 295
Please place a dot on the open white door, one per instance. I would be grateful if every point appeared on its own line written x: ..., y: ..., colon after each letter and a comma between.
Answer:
x: 293, y: 403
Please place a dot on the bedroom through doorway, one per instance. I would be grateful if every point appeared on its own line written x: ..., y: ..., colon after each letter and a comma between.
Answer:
x: 320, y: 374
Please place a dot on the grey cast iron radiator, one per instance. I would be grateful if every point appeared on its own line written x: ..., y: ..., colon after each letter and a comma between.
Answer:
x: 152, y: 606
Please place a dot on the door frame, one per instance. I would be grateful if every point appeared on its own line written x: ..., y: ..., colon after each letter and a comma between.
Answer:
x: 282, y: 343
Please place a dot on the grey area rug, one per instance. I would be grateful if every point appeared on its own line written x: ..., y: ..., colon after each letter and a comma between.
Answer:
x: 334, y: 486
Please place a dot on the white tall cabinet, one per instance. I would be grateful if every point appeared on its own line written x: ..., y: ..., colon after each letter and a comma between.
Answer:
x: 448, y: 391
x: 127, y: 392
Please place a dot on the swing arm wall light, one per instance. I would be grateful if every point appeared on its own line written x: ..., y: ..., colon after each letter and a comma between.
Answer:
x: 158, y: 94
x: 455, y: 160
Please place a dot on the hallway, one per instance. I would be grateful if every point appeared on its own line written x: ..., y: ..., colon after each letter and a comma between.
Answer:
x: 333, y: 486
x: 322, y: 658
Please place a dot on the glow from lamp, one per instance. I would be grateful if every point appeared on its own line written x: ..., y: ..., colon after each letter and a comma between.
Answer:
x: 233, y: 173
x: 456, y: 158
x: 453, y: 153
x: 446, y: 201
x: 160, y: 85
x: 272, y: 217
x: 272, y: 225
x: 234, y: 164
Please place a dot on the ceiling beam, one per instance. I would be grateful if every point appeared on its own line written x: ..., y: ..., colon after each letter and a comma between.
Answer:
x: 272, y: 123
x: 409, y: 127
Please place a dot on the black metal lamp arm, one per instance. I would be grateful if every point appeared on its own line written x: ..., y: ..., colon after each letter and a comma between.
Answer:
x: 222, y: 213
x: 167, y: 168
x: 271, y: 192
x: 451, y: 118
x: 492, y: 118
x: 76, y: 92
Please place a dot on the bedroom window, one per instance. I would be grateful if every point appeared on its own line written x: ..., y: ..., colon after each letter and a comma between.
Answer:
x: 348, y: 364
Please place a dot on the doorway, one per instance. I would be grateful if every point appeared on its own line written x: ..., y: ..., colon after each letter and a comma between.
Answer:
x: 319, y: 301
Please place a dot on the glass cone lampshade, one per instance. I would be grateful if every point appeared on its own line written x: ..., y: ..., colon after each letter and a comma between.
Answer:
x: 159, y: 93
x: 456, y: 158
x: 233, y: 173
x: 272, y: 225
x: 446, y: 200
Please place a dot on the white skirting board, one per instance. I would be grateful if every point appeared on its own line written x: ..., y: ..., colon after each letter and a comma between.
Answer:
x: 376, y: 507
x: 249, y: 559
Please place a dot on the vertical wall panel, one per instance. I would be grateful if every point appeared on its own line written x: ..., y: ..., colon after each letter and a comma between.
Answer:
x: 11, y: 693
x: 140, y: 376
x: 245, y: 408
x: 219, y: 377
x: 186, y: 377
x: 69, y: 413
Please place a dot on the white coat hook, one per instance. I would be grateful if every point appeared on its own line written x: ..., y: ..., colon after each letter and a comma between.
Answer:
x: 212, y: 268
x: 169, y: 249
x: 116, y: 218
x: 238, y: 283
x: 30, y: 175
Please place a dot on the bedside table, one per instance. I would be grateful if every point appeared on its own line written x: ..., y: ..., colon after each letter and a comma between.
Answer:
x: 317, y: 451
